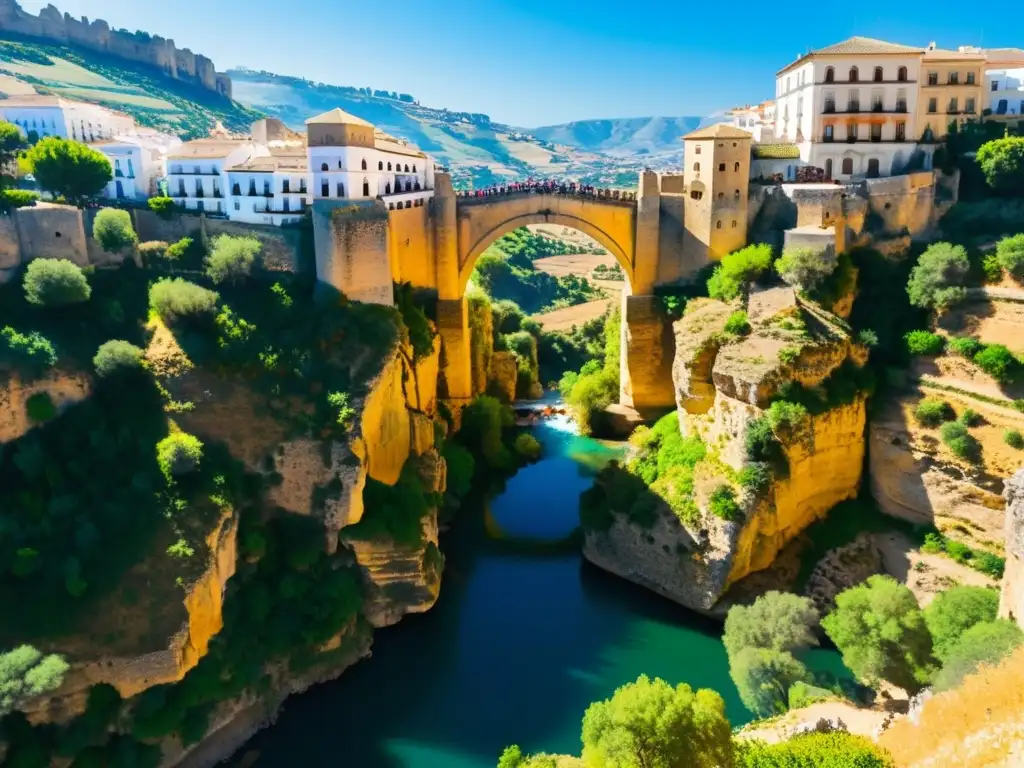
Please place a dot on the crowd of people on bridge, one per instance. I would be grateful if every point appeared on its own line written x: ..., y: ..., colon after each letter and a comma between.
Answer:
x: 549, y: 187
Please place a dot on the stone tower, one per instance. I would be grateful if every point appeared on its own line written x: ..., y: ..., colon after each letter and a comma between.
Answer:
x: 716, y: 174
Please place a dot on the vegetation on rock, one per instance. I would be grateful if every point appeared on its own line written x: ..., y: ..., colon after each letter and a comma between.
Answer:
x: 937, y: 280
x: 231, y: 259
x: 956, y: 610
x: 985, y: 642
x: 25, y: 673
x: 1002, y: 162
x: 806, y: 269
x: 55, y: 282
x: 113, y: 229
x: 737, y: 271
x: 69, y: 169
x: 117, y: 356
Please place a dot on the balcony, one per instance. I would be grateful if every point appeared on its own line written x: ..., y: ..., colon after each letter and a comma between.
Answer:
x: 853, y: 107
x: 179, y: 194
x: 878, y: 107
x: 280, y: 209
x: 217, y: 194
x: 179, y: 171
x: 901, y: 106
x: 199, y: 193
x: 829, y: 108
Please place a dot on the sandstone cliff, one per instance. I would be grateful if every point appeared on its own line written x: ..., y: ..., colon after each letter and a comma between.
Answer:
x: 1011, y: 602
x: 725, y: 385
x: 51, y: 25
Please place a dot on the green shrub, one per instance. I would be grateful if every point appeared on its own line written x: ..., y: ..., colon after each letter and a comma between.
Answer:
x: 964, y: 346
x: 803, y: 694
x: 180, y: 250
x: 461, y: 466
x: 26, y: 673
x: 178, y: 300
x: 527, y: 447
x: 934, y: 544
x: 113, y: 229
x: 924, y: 343
x: 231, y: 258
x: 722, y: 503
x: 936, y: 282
x: 991, y: 268
x: 958, y: 551
x: 806, y: 268
x: 393, y: 512
x: 998, y: 362
x: 117, y: 356
x: 763, y: 677
x: 956, y: 610
x: 737, y: 323
x: 867, y: 337
x: 780, y: 621
x: 932, y: 411
x: 1002, y: 162
x: 989, y: 563
x: 40, y: 407
x: 836, y: 749
x: 55, y: 282
x: 30, y: 352
x: 789, y: 355
x: 960, y: 441
x: 1014, y: 439
x: 971, y: 418
x: 987, y: 642
x: 755, y: 476
x: 421, y: 334
x: 17, y: 198
x: 153, y: 253
x: 178, y: 454
x: 738, y: 270
x: 164, y: 207
x: 1010, y: 253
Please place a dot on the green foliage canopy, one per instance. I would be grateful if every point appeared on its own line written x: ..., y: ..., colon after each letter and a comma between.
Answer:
x: 987, y: 642
x: 117, y: 356
x: 231, y: 258
x: 69, y: 169
x: 956, y: 610
x: 937, y: 281
x: 113, y: 229
x: 25, y: 672
x: 55, y: 283
x: 806, y: 268
x: 738, y: 270
x: 1002, y: 162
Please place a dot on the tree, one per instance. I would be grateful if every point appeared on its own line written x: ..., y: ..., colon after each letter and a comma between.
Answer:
x: 1002, y: 162
x: 880, y: 631
x: 231, y: 258
x: 113, y: 229
x: 650, y: 724
x: 763, y: 677
x: 779, y: 621
x: 68, y: 169
x: 54, y: 283
x: 987, y: 642
x: 738, y: 270
x: 177, y: 300
x: 806, y: 268
x: 1010, y: 255
x: 11, y: 143
x: 24, y: 673
x: 116, y: 356
x: 178, y: 454
x: 956, y: 610
x: 837, y: 749
x: 936, y: 282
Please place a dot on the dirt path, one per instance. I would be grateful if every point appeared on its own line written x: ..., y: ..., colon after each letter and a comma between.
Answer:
x: 864, y: 722
x: 565, y: 319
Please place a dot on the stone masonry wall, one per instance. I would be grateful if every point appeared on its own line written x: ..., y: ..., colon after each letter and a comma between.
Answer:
x: 1011, y: 601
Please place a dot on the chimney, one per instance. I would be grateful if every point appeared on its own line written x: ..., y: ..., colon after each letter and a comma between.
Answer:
x: 931, y: 46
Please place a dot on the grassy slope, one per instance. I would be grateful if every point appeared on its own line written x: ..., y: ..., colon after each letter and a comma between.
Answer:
x: 151, y: 97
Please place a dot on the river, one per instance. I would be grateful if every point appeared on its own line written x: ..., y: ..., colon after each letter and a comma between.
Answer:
x: 523, y: 637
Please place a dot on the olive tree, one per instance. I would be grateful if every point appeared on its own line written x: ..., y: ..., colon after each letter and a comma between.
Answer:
x: 937, y: 280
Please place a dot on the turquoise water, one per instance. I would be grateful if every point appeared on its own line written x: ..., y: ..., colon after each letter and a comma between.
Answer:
x: 519, y: 643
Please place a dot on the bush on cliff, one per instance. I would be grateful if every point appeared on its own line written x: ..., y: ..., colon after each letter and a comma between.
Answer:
x: 837, y: 749
x: 164, y: 207
x: 964, y: 346
x: 25, y: 673
x: 527, y: 447
x: 113, y: 229
x: 69, y: 169
x: 117, y: 356
x: 650, y: 723
x: 738, y: 324
x: 998, y: 362
x: 177, y: 300
x: 806, y: 269
x: 961, y: 442
x: 881, y: 632
x: 1002, y: 162
x: 482, y: 423
x: 231, y: 259
x: 739, y: 270
x: 17, y: 198
x: 924, y: 343
x: 179, y: 454
x: 986, y: 642
x: 722, y: 503
x: 763, y: 678
x: 937, y: 282
x: 55, y: 283
x: 956, y: 610
x: 31, y: 352
x: 932, y: 411
x: 421, y: 334
x: 1010, y: 255
x: 393, y: 512
x: 597, y: 385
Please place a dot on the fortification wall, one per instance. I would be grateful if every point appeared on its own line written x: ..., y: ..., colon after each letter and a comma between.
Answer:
x: 50, y: 24
x: 52, y: 231
x: 411, y: 246
x: 352, y: 250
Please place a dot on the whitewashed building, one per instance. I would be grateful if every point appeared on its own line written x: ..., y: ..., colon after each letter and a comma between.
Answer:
x: 1004, y: 80
x: 850, y: 107
x: 758, y: 121
x: 197, y: 171
x: 55, y: 116
x: 138, y: 161
x: 270, y: 189
x: 349, y: 159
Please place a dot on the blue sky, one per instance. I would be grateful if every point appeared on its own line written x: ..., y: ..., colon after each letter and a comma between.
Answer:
x: 537, y: 62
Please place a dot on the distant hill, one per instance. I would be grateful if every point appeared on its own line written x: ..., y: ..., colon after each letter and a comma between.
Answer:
x: 623, y: 137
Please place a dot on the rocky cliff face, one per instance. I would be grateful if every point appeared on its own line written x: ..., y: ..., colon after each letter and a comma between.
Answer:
x: 51, y: 25
x: 724, y: 386
x: 1011, y: 601
x: 64, y: 388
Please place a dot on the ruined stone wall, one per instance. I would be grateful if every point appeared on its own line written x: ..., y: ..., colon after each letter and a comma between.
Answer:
x: 53, y: 232
x: 155, y: 51
x: 1011, y: 601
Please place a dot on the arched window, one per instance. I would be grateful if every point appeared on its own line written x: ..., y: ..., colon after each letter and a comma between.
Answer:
x: 366, y: 187
x: 391, y: 206
x: 341, y: 189
x: 830, y: 75
x: 387, y: 188
x: 734, y: 223
x: 406, y: 167
x: 879, y: 75
x: 380, y: 165
x: 414, y: 169
x: 696, y: 167
x: 736, y: 167
x: 901, y: 74
x: 847, y: 166
x: 323, y: 167
x: 364, y: 163
x: 389, y: 166
x: 718, y: 224
x: 325, y: 190
x: 736, y: 195
x: 854, y: 76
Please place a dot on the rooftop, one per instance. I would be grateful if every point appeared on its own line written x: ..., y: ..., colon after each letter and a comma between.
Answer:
x: 1004, y: 55
x: 32, y: 100
x: 207, y: 148
x: 776, y: 151
x: 858, y: 46
x: 941, y: 54
x: 718, y: 131
x: 338, y: 116
x: 280, y: 159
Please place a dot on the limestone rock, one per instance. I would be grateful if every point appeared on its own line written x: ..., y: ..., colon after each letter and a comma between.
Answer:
x: 65, y: 388
x: 697, y: 342
x: 840, y: 569
x: 504, y: 375
x: 1011, y: 601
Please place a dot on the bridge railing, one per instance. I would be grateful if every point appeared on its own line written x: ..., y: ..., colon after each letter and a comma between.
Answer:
x: 497, y: 194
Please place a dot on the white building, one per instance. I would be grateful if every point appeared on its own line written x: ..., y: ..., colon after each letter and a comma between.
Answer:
x: 138, y: 161
x: 349, y: 159
x: 55, y: 116
x: 270, y: 189
x: 758, y: 121
x: 850, y: 107
x: 1004, y: 80
x: 197, y: 171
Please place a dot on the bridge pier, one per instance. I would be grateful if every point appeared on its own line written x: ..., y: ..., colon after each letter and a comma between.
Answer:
x: 647, y: 350
x: 456, y: 355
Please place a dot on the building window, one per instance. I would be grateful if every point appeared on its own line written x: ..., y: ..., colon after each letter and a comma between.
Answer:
x: 387, y: 188
x: 995, y: 85
x: 286, y: 186
x: 414, y: 171
x: 380, y: 165
x: 736, y: 195
x: 734, y: 223
x: 969, y: 105
x: 325, y: 189
x: 933, y: 106
x: 873, y: 168
x: 933, y: 78
x: 696, y: 195
x: 970, y: 78
x: 389, y: 166
x: 391, y: 206
x: 696, y: 151
x: 364, y: 164
x: 901, y: 74
x: 721, y: 195
x: 879, y: 75
x: 238, y: 205
x: 847, y: 166
x: 736, y: 166
x: 266, y: 187
x: 407, y: 168
x: 718, y: 224
x: 721, y: 166
x: 851, y: 131
x: 341, y: 189
x: 954, y: 78
x: 876, y: 132
x: 696, y: 167
x: 954, y: 105
x: 323, y: 167
x: 339, y: 163
x: 901, y: 131
x: 366, y: 188
x: 828, y: 168
x: 854, y: 74
x: 787, y: 91
x: 829, y: 133
x: 853, y: 101
x: 830, y: 75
